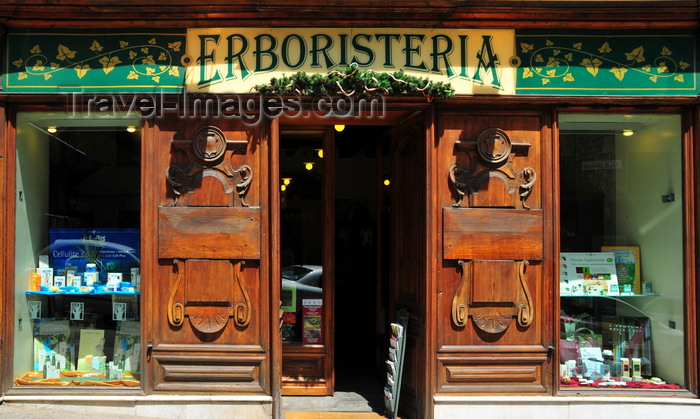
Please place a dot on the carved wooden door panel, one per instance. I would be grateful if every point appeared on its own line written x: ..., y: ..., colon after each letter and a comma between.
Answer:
x: 494, y: 295
x: 208, y: 310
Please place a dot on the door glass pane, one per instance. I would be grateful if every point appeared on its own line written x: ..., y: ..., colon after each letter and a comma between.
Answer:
x: 77, y: 277
x: 301, y: 235
x: 621, y: 262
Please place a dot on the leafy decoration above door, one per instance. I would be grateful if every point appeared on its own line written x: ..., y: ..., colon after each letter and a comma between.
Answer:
x: 353, y: 82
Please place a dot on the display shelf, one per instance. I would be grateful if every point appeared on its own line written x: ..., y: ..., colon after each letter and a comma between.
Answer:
x: 65, y: 293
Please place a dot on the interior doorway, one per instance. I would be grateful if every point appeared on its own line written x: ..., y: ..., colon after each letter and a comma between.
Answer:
x: 335, y: 247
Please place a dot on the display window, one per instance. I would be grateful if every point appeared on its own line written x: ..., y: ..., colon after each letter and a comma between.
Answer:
x: 77, y: 266
x: 621, y: 252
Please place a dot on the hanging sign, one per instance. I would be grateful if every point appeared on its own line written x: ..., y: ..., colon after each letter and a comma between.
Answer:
x: 235, y: 60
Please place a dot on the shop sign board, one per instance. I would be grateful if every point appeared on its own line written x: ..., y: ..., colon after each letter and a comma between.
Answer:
x: 236, y: 60
x: 55, y: 61
x: 607, y: 64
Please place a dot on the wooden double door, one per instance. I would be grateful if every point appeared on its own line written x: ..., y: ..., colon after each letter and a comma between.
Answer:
x: 460, y: 240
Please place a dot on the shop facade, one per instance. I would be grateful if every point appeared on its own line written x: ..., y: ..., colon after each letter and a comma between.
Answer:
x: 206, y: 208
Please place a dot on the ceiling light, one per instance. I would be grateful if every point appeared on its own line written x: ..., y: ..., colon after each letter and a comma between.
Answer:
x: 131, y: 128
x: 308, y: 165
x: 319, y: 151
x: 52, y: 129
x: 286, y: 180
x: 627, y: 132
x: 339, y: 128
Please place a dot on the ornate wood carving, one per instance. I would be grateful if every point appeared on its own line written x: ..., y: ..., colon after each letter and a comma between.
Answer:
x: 205, y: 156
x: 498, y: 300
x: 490, y: 157
x: 208, y: 313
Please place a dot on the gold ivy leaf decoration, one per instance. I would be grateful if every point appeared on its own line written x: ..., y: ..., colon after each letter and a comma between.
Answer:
x: 174, y: 71
x: 605, y: 48
x: 592, y: 65
x: 548, y: 43
x: 569, y: 77
x: 132, y: 55
x: 653, y: 78
x: 152, y: 41
x: 162, y: 68
x: 525, y: 47
x: 538, y: 69
x: 552, y: 73
x: 95, y: 47
x: 647, y: 68
x: 552, y: 62
x: 47, y: 76
x: 150, y: 70
x: 144, y: 50
x: 665, y: 51
x: 38, y: 66
x: 123, y: 44
x: 82, y: 70
x: 557, y: 52
x: 148, y: 60
x: 527, y: 72
x: 637, y: 54
x: 156, y: 79
x: 18, y: 63
x: 679, y: 77
x: 22, y: 76
x: 539, y: 59
x: 569, y: 57
x: 35, y: 49
x: 662, y: 68
x: 545, y: 81
x: 108, y: 63
x: 162, y: 57
x: 175, y: 46
x: 132, y: 75
x: 578, y: 45
x: 64, y: 53
x: 619, y: 72
x: 683, y: 65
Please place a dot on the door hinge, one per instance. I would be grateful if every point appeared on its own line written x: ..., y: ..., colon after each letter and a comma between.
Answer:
x: 550, y: 351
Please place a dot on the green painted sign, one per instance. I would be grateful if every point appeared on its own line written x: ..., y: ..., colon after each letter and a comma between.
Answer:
x: 594, y: 63
x: 620, y: 63
x: 92, y: 61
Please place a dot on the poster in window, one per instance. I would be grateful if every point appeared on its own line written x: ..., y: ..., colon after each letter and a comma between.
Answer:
x: 627, y: 265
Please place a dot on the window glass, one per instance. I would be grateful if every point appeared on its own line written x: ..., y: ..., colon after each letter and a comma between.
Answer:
x: 301, y: 235
x: 621, y: 261
x: 77, y: 277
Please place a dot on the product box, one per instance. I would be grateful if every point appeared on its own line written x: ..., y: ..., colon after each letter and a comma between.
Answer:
x: 53, y: 338
x: 91, y: 353
x: 127, y: 346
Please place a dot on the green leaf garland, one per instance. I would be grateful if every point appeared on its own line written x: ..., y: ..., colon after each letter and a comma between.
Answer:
x: 357, y: 83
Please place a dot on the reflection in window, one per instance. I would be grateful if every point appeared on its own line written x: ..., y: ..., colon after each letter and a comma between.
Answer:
x: 621, y: 262
x: 77, y: 270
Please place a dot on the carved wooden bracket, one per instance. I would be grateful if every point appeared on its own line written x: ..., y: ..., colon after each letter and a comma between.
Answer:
x: 491, y: 297
x: 490, y: 157
x: 208, y: 310
x: 204, y: 156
